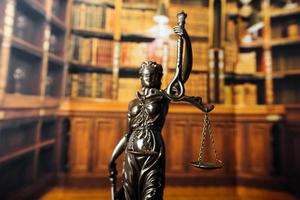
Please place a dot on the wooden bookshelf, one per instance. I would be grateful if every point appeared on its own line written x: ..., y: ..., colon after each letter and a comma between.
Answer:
x: 274, y: 38
x: 26, y: 106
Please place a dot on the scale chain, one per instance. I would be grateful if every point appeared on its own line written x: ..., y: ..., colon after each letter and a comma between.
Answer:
x: 212, y: 140
x: 207, y: 129
x: 203, y: 139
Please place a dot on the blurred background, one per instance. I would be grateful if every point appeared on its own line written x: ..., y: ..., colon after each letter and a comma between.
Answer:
x: 68, y: 69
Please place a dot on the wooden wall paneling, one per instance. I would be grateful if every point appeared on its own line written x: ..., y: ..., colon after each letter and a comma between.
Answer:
x: 240, y: 149
x: 175, y: 146
x: 106, y: 135
x: 120, y: 133
x: 259, y: 137
x: 80, y: 144
x: 195, y: 136
x: 224, y: 136
x: 292, y: 158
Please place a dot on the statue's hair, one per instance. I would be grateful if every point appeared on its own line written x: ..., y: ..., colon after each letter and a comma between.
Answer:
x: 157, y: 67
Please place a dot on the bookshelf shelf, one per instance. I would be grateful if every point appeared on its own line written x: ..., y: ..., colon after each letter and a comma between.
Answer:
x: 96, y: 2
x: 285, y: 41
x: 195, y: 70
x: 255, y: 44
x: 58, y: 23
x: 232, y: 14
x: 199, y: 38
x: 139, y: 6
x: 22, y: 101
x: 26, y: 150
x: 56, y: 59
x: 17, y: 154
x: 93, y: 33
x: 132, y: 37
x: 283, y: 12
x: 283, y: 74
x: 46, y: 143
x: 87, y: 99
x: 76, y: 65
x: 33, y: 6
x: 51, y: 102
x: 244, y: 77
x: 129, y: 72
x: 27, y: 47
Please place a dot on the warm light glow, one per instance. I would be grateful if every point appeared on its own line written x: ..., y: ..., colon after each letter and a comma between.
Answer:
x: 160, y: 31
x: 161, y: 19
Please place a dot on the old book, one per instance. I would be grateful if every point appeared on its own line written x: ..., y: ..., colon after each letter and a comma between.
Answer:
x: 238, y: 94
x: 246, y: 63
x: 231, y: 56
x: 74, y: 85
x: 228, y: 95
x: 293, y: 30
x: 250, y: 92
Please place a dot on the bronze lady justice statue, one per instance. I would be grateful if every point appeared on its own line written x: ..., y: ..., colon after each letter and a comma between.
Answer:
x: 144, y: 164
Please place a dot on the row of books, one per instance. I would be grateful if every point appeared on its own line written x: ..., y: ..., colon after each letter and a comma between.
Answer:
x: 197, y: 20
x: 246, y: 63
x: 231, y: 56
x: 286, y: 59
x: 93, y: 17
x: 200, y: 55
x: 288, y: 29
x: 197, y: 85
x: 93, y: 51
x: 90, y: 85
x: 287, y: 91
x: 134, y: 53
x: 136, y: 21
x: 240, y: 94
x: 127, y: 88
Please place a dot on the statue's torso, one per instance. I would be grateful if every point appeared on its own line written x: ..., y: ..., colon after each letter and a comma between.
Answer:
x: 147, y: 115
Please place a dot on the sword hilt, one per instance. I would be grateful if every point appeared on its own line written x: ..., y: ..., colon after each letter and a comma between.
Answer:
x: 181, y: 19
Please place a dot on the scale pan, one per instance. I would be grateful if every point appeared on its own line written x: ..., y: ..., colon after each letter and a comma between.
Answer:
x: 207, y: 165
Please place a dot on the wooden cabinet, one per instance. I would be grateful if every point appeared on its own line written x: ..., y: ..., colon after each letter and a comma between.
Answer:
x: 92, y: 140
x: 80, y: 148
x: 106, y: 132
x: 251, y: 140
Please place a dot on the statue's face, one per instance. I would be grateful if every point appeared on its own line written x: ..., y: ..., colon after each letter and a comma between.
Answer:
x: 149, y: 78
